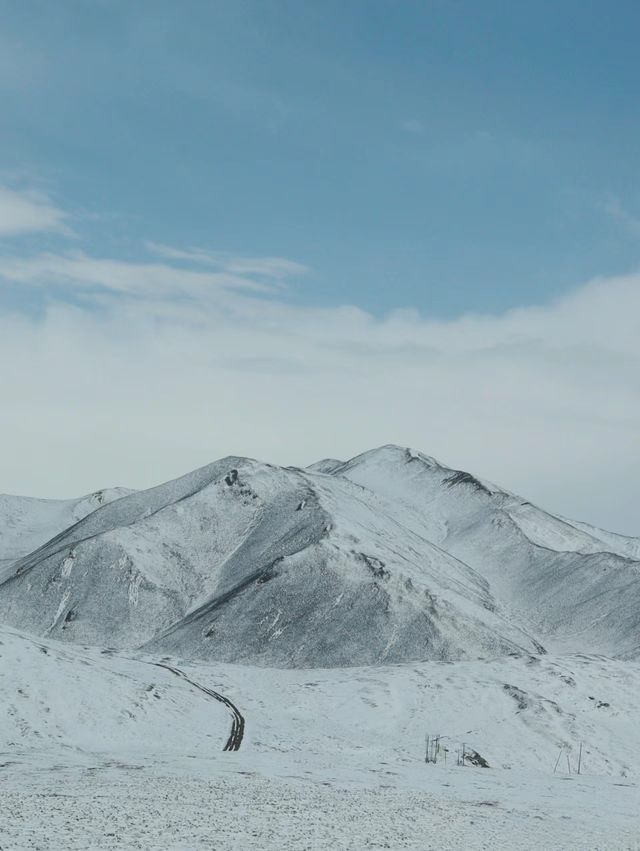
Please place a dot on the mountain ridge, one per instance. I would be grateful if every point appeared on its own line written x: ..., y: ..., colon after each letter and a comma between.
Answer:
x: 389, y: 556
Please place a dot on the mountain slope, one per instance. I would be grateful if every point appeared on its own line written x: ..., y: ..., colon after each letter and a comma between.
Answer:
x: 344, y: 582
x: 55, y: 697
x: 133, y: 566
x: 577, y: 590
x: 88, y: 701
x: 386, y: 558
x: 27, y: 523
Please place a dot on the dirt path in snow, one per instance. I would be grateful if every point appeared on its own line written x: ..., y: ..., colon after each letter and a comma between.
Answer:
x: 237, y: 720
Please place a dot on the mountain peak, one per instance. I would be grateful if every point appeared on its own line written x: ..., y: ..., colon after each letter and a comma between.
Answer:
x: 388, y: 557
x: 392, y: 453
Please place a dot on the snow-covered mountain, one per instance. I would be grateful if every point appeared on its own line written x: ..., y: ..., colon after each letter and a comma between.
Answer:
x: 123, y: 725
x: 577, y: 588
x: 388, y: 557
x: 27, y: 523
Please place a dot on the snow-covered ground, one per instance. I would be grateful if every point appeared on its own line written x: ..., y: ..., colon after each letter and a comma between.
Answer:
x: 100, y: 750
x: 372, y: 603
x: 230, y: 802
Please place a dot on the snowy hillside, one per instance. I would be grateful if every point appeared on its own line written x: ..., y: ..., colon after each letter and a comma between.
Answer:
x: 27, y: 523
x: 99, y: 701
x: 389, y: 557
x: 574, y: 587
x: 54, y: 696
x: 102, y: 750
x: 371, y: 603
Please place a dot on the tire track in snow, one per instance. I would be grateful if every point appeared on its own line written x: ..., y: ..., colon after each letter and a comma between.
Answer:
x: 237, y: 720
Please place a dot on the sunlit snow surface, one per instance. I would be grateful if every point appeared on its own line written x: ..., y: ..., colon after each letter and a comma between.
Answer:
x: 104, y: 751
x: 371, y: 603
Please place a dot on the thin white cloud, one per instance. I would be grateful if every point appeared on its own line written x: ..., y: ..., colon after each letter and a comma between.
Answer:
x: 28, y: 211
x: 187, y: 360
x: 545, y: 400
x: 276, y: 268
x: 154, y: 281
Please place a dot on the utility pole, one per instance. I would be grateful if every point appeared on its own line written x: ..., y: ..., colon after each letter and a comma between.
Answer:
x: 558, y: 760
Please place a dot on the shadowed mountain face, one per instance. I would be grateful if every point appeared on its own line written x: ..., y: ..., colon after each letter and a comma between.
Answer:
x: 388, y: 557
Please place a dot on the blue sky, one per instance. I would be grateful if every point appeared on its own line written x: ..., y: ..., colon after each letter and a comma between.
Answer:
x: 302, y: 229
x: 447, y: 156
